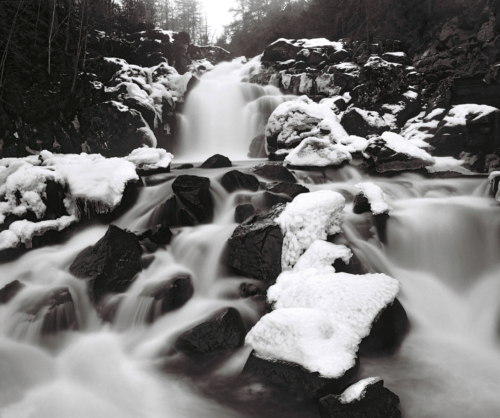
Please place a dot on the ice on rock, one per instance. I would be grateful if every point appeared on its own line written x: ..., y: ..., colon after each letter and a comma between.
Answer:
x: 376, y: 197
x: 309, y: 217
x: 317, y: 152
x: 357, y: 391
x: 321, y: 255
x: 320, y: 320
x: 147, y: 159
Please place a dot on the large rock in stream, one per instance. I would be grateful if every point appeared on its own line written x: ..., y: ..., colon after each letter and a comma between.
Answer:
x: 9, y: 291
x: 194, y: 192
x: 111, y: 264
x: 254, y: 249
x: 225, y: 330
x: 236, y: 180
x: 295, y: 379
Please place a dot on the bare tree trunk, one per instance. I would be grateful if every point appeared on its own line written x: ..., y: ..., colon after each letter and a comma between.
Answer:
x: 6, y: 50
x: 50, y: 34
x: 70, y: 6
x: 78, y: 49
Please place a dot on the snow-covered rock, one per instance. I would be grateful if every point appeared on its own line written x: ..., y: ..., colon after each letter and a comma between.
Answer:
x: 363, y: 123
x: 317, y: 152
x: 319, y: 320
x: 375, y: 196
x: 309, y: 217
x: 93, y: 184
x: 321, y: 256
x: 293, y: 121
x: 391, y: 152
x: 150, y: 160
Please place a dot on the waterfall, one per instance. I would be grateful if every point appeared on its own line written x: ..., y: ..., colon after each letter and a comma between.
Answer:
x: 224, y: 112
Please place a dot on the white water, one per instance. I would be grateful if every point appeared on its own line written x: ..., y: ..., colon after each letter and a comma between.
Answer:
x: 443, y: 245
x: 222, y: 114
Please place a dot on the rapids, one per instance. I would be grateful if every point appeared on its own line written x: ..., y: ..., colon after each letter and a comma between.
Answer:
x: 443, y: 243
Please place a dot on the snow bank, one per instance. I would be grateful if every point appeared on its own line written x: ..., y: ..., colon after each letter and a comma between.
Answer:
x: 319, y: 321
x: 317, y: 152
x: 92, y: 183
x: 309, y: 217
x: 357, y: 391
x: 376, y: 197
x: 149, y: 159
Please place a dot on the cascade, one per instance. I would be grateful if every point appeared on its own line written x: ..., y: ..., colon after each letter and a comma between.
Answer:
x: 442, y: 245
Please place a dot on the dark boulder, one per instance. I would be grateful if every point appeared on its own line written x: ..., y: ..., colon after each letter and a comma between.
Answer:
x: 254, y: 249
x: 168, y: 295
x: 361, y: 204
x: 363, y: 122
x: 295, y: 379
x: 194, y: 192
x: 387, y: 332
x: 111, y: 264
x: 258, y: 147
x: 402, y: 108
x: 235, y: 180
x: 10, y: 290
x: 274, y: 171
x: 380, y: 221
x: 217, y: 161
x: 243, y: 212
x: 289, y: 189
x: 184, y: 166
x: 170, y: 214
x: 225, y: 330
x: 375, y: 402
x: 159, y: 234
x: 265, y: 201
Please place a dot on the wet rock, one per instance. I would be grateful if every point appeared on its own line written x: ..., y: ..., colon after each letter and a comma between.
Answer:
x: 258, y: 147
x: 108, y: 307
x: 387, y: 332
x: 289, y: 189
x: 265, y: 201
x: 236, y: 180
x: 184, y: 166
x: 254, y: 249
x: 294, y: 378
x: 363, y: 122
x: 225, y: 330
x: 274, y: 171
x: 217, y: 161
x: 111, y: 264
x: 243, y: 212
x: 146, y: 261
x: 10, y: 290
x: 194, y: 192
x: 159, y: 234
x: 114, y: 130
x: 185, y: 219
x: 169, y: 213
x: 376, y: 401
x: 361, y: 204
x: 380, y: 222
x: 168, y: 295
x: 248, y: 290
x: 55, y: 309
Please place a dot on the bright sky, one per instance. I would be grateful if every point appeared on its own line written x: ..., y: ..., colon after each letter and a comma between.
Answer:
x: 218, y: 13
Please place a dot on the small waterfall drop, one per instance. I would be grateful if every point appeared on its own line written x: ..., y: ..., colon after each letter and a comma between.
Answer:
x: 224, y: 112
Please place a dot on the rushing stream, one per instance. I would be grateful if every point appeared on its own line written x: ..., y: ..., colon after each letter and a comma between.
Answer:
x: 443, y: 243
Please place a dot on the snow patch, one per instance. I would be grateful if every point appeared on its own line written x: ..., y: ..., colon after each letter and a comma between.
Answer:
x: 357, y: 391
x: 376, y: 197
